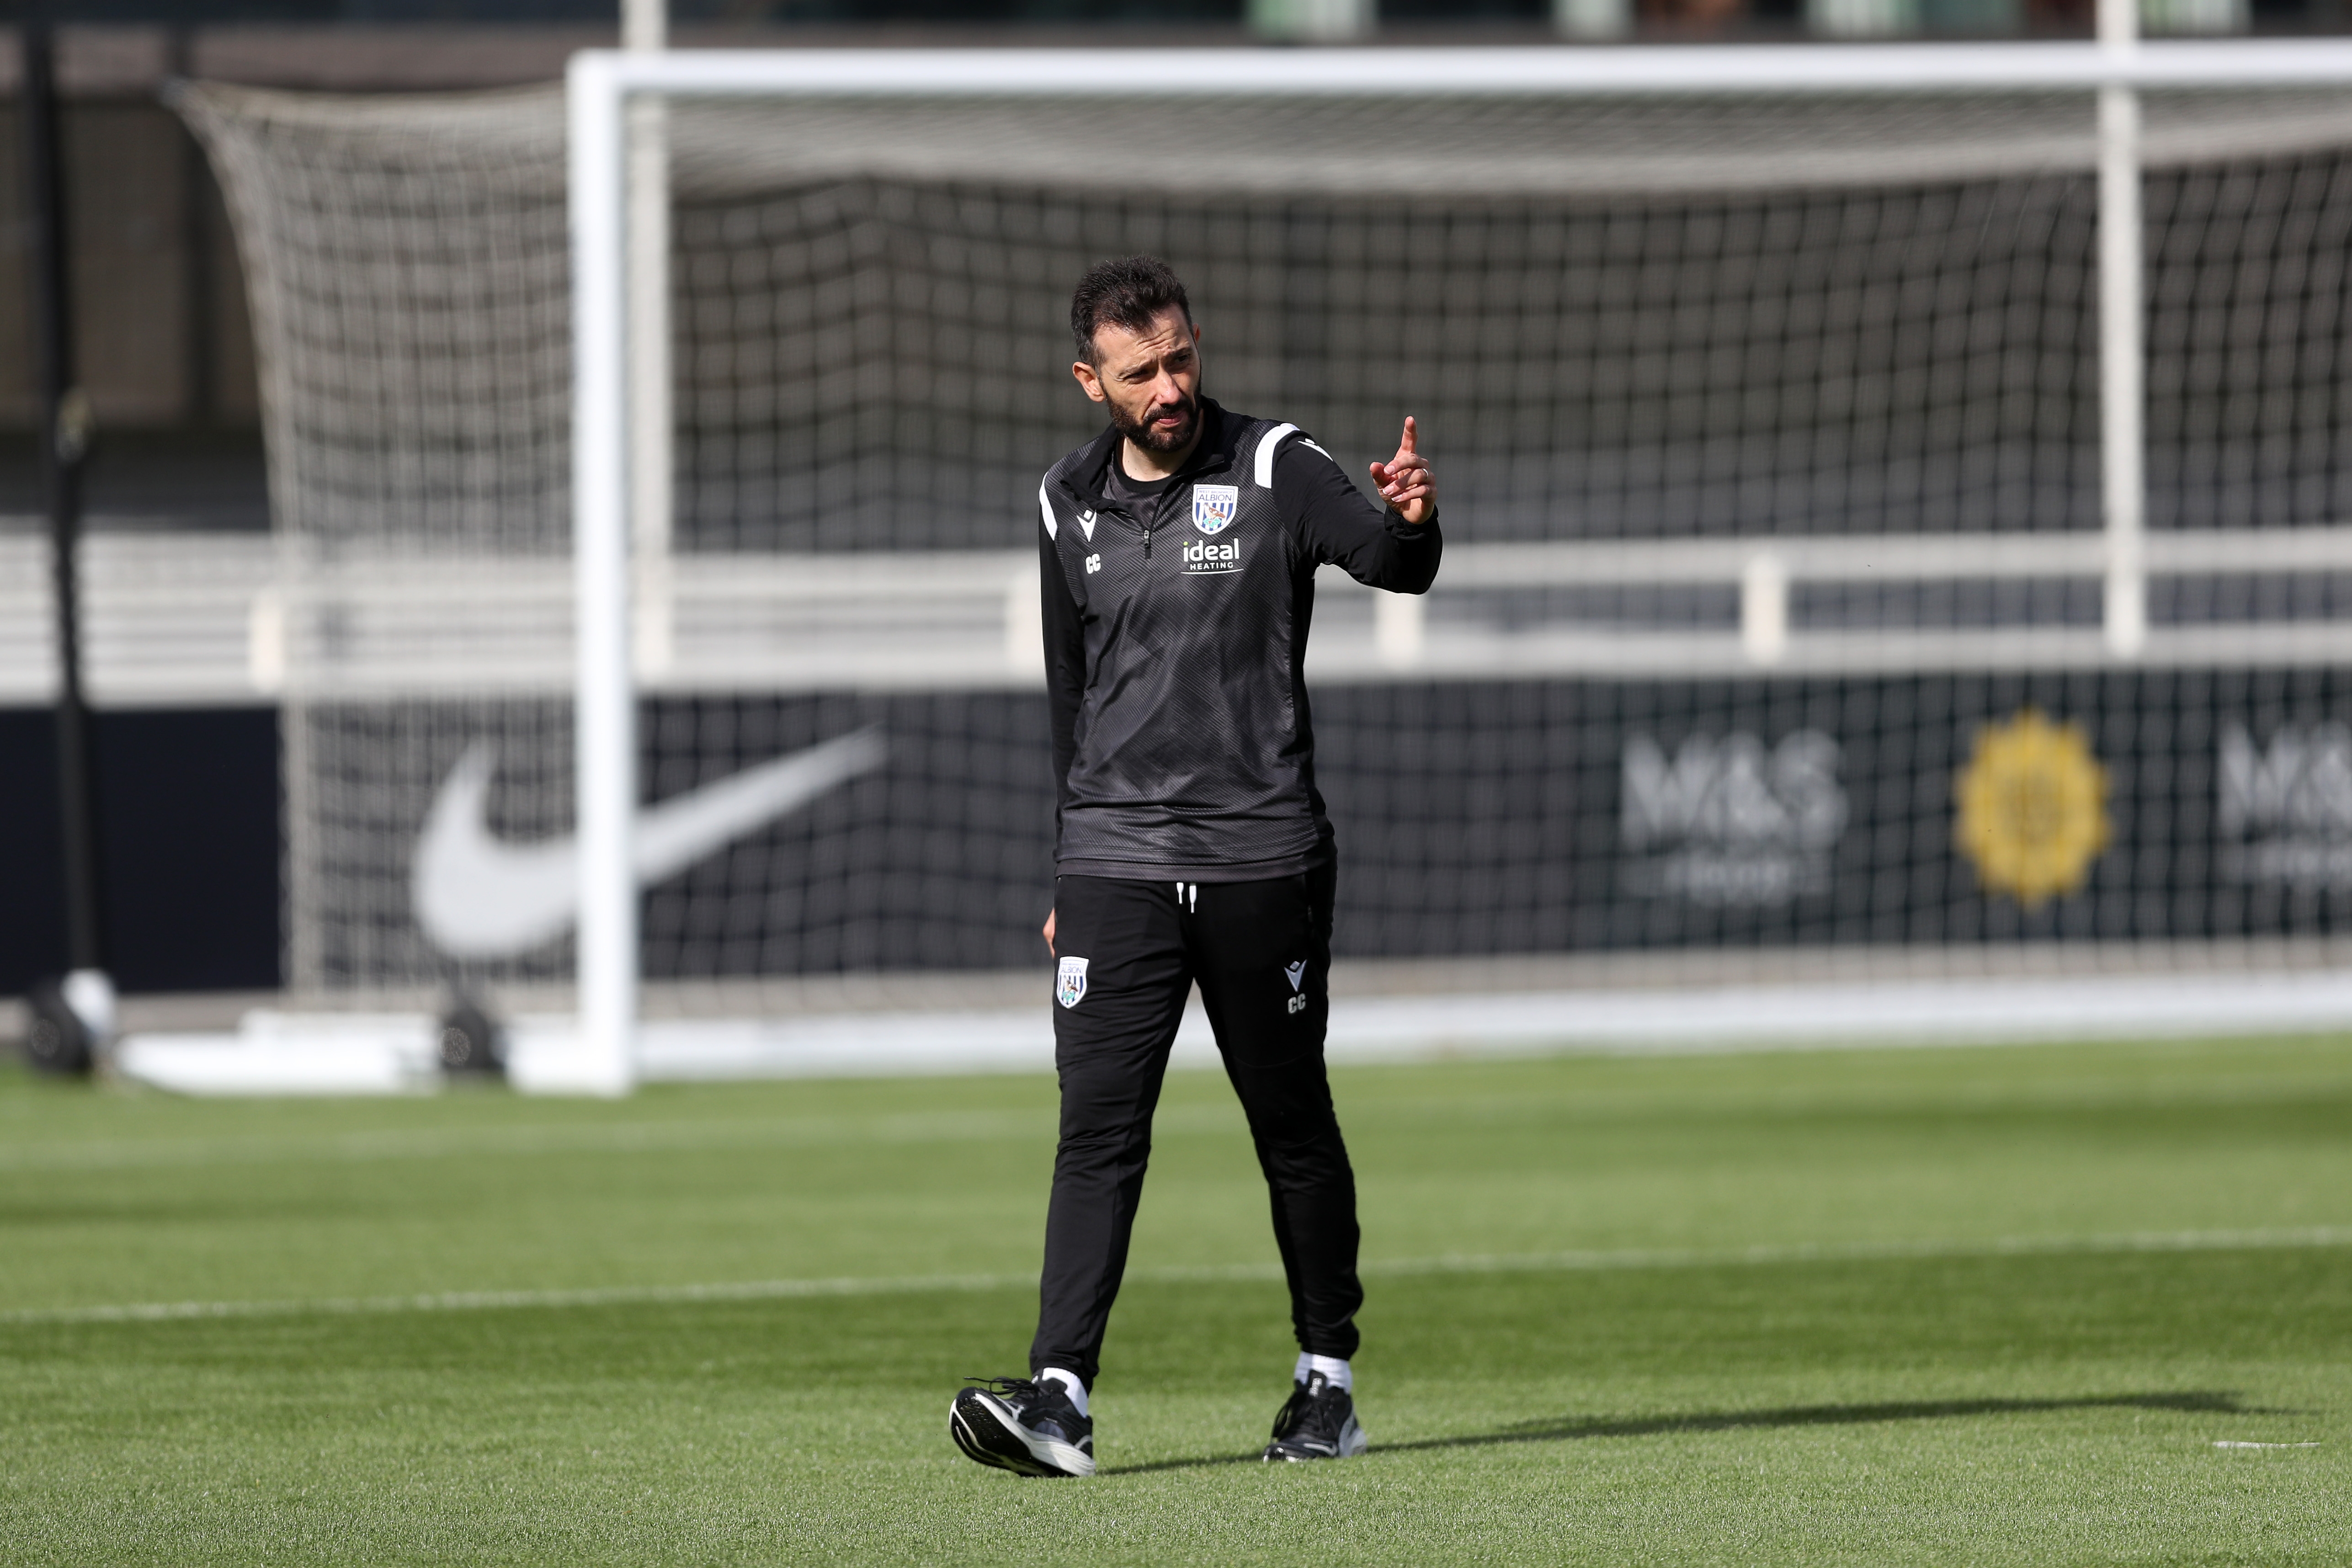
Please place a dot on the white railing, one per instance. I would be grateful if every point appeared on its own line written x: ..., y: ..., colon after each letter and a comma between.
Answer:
x: 188, y: 618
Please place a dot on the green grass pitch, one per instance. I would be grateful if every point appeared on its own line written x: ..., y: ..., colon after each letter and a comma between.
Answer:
x: 1990, y: 1306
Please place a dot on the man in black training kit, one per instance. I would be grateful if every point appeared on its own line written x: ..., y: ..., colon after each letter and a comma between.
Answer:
x: 1179, y: 551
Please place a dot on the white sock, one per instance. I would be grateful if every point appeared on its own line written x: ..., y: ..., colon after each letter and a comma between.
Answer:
x: 1335, y: 1371
x: 1069, y: 1380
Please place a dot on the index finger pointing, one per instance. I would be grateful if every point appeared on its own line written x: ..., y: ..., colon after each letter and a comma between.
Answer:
x: 1411, y: 431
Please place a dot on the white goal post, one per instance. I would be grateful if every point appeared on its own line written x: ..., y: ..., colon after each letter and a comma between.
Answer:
x: 601, y: 85
x: 1874, y: 551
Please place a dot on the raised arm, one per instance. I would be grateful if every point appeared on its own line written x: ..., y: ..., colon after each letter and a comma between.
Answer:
x: 1394, y: 547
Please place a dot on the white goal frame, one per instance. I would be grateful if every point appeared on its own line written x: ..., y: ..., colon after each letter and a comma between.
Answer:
x: 611, y: 456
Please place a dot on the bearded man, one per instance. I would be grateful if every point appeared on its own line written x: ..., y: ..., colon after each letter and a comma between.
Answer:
x: 1179, y: 551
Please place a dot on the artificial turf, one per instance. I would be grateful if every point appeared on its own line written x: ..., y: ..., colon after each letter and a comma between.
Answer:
x: 1952, y: 1306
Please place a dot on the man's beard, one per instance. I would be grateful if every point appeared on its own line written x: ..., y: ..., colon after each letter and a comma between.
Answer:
x: 1142, y: 433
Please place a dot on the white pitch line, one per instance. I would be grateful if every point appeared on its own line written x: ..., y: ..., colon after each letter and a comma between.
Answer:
x: 478, y: 1301
x: 2231, y: 1443
x: 622, y: 1137
x: 2315, y: 1236
x: 1631, y: 1258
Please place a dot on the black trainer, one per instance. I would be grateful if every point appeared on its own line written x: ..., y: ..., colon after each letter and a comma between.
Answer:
x: 1318, y: 1423
x: 1027, y: 1426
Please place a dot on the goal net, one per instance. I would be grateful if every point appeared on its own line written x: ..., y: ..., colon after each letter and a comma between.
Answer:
x: 1775, y: 618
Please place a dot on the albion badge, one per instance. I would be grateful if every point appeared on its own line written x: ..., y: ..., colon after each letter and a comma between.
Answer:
x: 1071, y: 983
x: 1214, y: 506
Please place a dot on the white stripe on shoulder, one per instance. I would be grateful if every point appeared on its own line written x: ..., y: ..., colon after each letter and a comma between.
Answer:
x: 1045, y: 510
x: 1265, y: 449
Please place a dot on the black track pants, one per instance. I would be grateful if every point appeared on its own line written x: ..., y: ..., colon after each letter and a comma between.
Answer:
x: 1262, y: 953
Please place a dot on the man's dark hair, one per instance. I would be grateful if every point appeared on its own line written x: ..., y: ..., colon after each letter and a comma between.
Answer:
x: 1128, y: 292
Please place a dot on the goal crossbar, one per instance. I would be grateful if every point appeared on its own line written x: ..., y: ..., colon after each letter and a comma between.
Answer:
x: 606, y: 76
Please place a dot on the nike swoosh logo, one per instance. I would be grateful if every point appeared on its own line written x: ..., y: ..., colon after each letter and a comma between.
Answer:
x: 477, y: 897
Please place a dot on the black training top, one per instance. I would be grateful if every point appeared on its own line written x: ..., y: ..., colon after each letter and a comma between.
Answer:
x: 1175, y: 634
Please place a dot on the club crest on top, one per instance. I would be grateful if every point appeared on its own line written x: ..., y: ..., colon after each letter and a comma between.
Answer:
x: 1214, y: 506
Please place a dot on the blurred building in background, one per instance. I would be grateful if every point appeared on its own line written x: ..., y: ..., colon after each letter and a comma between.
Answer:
x: 163, y: 335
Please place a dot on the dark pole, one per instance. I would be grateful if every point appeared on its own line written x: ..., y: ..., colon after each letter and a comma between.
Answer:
x: 196, y: 233
x: 65, y: 428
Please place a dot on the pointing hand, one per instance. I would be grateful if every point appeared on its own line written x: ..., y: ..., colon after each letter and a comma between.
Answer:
x: 1405, y: 481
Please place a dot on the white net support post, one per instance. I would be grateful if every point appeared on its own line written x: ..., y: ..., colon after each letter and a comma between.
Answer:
x: 2123, y: 477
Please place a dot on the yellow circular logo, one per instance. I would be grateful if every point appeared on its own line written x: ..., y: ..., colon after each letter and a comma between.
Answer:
x: 2033, y: 808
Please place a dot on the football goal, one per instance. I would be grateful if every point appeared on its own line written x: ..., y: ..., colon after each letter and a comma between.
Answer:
x: 1896, y: 502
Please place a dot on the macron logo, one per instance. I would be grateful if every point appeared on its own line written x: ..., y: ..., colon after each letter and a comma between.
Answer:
x: 477, y: 897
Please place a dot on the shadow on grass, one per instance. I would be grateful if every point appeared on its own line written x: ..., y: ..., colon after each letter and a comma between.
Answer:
x: 1557, y: 1429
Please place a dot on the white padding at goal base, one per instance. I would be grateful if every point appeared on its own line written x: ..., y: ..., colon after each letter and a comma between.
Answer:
x: 279, y: 1053
x: 275, y: 1053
